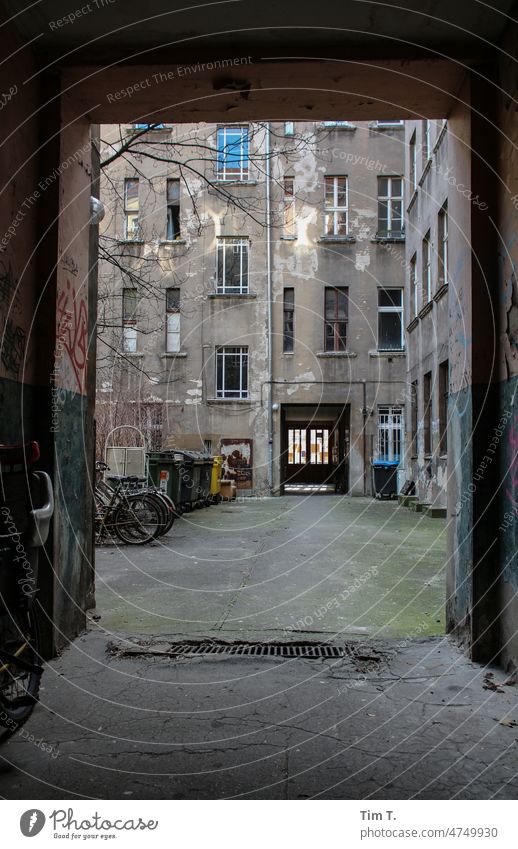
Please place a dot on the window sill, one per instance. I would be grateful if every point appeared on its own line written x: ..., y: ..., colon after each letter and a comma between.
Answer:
x: 337, y: 239
x: 287, y: 353
x: 425, y: 310
x: 412, y: 200
x: 413, y: 324
x: 170, y: 355
x: 172, y: 242
x: 441, y: 292
x: 288, y: 238
x: 384, y: 354
x: 224, y: 401
x: 395, y: 126
x: 127, y: 354
x: 125, y: 241
x: 347, y: 355
x: 242, y: 296
x: 219, y: 181
x: 425, y: 170
x: 396, y: 237
x: 347, y: 127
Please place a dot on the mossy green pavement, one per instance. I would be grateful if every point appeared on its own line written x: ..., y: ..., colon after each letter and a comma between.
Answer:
x: 287, y: 567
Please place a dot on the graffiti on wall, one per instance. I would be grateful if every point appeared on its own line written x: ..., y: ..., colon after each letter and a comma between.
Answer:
x: 72, y: 331
x: 13, y: 335
x: 237, y: 461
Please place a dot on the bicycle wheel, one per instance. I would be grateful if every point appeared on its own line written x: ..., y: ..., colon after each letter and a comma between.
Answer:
x: 137, y: 520
x: 20, y: 669
x: 169, y: 512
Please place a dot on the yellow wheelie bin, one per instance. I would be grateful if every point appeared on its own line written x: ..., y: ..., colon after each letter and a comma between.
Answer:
x: 215, y: 481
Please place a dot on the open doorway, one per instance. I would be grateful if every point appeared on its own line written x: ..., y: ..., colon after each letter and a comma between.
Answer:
x: 315, y: 452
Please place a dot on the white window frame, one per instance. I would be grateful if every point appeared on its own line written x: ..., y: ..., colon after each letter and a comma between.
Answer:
x: 392, y: 309
x: 414, y: 287
x: 288, y: 210
x: 390, y: 425
x: 131, y: 234
x: 427, y: 148
x: 129, y: 325
x: 413, y: 162
x: 243, y: 247
x: 427, y: 268
x: 390, y: 123
x: 172, y: 333
x: 443, y: 247
x: 223, y: 169
x: 289, y: 128
x: 334, y: 212
x: 391, y: 198
x: 223, y: 353
x: 170, y: 237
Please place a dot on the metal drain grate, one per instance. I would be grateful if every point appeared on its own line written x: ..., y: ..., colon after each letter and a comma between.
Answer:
x: 310, y: 650
x: 363, y: 656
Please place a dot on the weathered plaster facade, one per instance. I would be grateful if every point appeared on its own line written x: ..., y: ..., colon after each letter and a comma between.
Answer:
x: 358, y: 380
x: 428, y: 183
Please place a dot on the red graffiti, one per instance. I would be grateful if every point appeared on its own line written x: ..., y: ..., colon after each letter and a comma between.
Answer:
x: 512, y: 447
x: 72, y: 331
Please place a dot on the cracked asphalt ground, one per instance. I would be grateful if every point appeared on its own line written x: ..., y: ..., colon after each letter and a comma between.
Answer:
x: 406, y: 716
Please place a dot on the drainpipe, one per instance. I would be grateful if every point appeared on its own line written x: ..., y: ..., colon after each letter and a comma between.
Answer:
x: 269, y: 314
x: 365, y: 414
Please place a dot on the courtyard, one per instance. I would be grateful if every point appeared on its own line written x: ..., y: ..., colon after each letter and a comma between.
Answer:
x: 316, y: 567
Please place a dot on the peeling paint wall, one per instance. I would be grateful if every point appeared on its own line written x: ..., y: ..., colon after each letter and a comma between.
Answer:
x: 308, y: 262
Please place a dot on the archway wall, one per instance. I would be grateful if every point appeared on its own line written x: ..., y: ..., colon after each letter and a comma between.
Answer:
x: 507, y: 427
x: 61, y: 272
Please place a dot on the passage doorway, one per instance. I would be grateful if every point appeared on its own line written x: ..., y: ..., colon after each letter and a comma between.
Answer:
x: 315, y: 448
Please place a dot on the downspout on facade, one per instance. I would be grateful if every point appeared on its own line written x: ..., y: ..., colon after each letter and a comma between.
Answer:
x: 269, y: 311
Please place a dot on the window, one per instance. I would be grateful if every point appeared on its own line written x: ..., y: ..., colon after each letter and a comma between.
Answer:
x: 232, y: 372
x: 232, y: 267
x: 426, y: 141
x: 131, y: 228
x: 289, y: 208
x: 335, y: 206
x: 414, y: 417
x: 427, y: 413
x: 232, y: 163
x: 289, y: 128
x: 129, y: 320
x: 414, y: 288
x: 390, y: 433
x: 427, y: 269
x: 296, y: 446
x: 390, y: 206
x: 443, y: 406
x: 319, y: 446
x: 443, y: 244
x: 389, y: 123
x: 172, y: 335
x: 288, y: 323
x: 173, y: 209
x: 336, y: 314
x: 390, y: 320
x: 148, y: 126
x: 413, y: 163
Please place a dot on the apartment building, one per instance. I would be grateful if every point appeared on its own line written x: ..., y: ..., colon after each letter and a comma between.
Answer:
x: 252, y: 296
x: 429, y: 181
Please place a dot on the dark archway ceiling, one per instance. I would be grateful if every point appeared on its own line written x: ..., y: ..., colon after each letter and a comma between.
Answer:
x: 172, y: 30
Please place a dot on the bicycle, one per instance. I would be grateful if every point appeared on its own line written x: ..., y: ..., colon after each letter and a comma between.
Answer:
x: 136, y: 519
x: 134, y: 485
x: 24, y: 528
